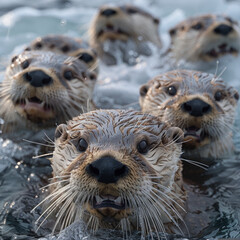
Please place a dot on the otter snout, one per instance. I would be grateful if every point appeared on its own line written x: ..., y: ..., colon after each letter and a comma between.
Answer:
x: 38, y: 78
x: 196, y: 107
x: 223, y: 29
x: 107, y: 170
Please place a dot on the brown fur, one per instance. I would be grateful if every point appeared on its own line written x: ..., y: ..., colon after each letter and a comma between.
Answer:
x: 216, y: 125
x: 150, y: 191
x: 126, y: 31
x: 61, y: 44
x: 195, y: 39
x: 62, y: 98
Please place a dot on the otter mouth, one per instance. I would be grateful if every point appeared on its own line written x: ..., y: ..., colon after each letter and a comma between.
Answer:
x: 35, y: 107
x: 109, y: 28
x: 108, y: 202
x: 220, y: 50
x: 195, y: 133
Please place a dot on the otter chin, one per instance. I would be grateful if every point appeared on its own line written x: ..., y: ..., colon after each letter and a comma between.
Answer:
x: 60, y: 44
x: 116, y: 169
x: 201, y: 104
x: 123, y: 33
x: 41, y: 89
x: 205, y: 38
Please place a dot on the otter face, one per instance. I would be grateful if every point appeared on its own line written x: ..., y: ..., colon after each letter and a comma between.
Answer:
x: 42, y: 88
x: 205, y: 38
x: 199, y: 103
x: 66, y: 45
x: 120, y: 27
x: 120, y: 168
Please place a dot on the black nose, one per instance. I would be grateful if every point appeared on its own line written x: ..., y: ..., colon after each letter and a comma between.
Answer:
x: 85, y: 57
x: 37, y: 78
x: 196, y: 107
x: 223, y: 29
x: 108, y: 12
x: 107, y: 170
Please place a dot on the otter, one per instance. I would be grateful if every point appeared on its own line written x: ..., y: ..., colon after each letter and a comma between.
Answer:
x: 41, y: 89
x: 123, y: 32
x: 201, y: 104
x: 61, y: 44
x: 205, y: 38
x: 116, y: 169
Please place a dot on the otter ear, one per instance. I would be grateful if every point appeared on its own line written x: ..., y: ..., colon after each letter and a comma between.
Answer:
x: 143, y: 90
x: 61, y: 132
x: 173, y: 134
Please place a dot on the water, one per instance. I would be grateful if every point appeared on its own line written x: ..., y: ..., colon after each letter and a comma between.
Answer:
x: 215, y: 200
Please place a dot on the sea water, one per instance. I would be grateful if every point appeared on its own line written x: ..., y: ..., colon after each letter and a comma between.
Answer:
x: 21, y: 176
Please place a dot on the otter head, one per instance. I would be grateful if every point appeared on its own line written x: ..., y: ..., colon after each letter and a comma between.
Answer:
x: 61, y: 44
x: 124, y: 30
x: 201, y: 104
x: 119, y: 169
x: 41, y: 89
x: 205, y: 38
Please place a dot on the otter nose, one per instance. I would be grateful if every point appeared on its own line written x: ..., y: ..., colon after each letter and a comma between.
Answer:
x: 108, y: 12
x: 37, y: 78
x: 107, y: 170
x: 196, y: 107
x: 223, y: 29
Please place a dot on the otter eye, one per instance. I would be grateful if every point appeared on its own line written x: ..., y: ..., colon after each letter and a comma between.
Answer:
x: 65, y: 48
x: 172, y: 91
x: 68, y: 75
x: 197, y: 26
x: 143, y: 147
x: 38, y: 45
x: 25, y: 64
x: 218, y: 96
x: 82, y: 145
x: 85, y: 57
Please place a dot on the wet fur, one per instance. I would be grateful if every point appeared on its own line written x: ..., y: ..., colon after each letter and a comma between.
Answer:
x: 67, y: 98
x: 193, y: 39
x: 123, y: 35
x: 218, y: 123
x: 61, y: 44
x: 152, y: 188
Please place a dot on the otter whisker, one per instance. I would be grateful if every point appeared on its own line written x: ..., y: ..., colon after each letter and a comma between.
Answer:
x: 53, y: 183
x: 53, y: 206
x: 164, y: 208
x: 52, y: 195
x: 42, y: 155
x: 147, y: 216
x: 196, y: 163
x: 37, y: 143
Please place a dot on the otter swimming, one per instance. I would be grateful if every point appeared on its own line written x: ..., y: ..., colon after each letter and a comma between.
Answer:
x: 117, y: 169
x: 201, y: 104
x: 123, y: 32
x: 205, y: 38
x: 41, y: 89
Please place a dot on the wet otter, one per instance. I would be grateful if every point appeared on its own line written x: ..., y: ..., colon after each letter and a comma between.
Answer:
x: 117, y: 169
x: 201, y: 104
x: 122, y: 32
x: 205, y: 38
x: 61, y: 44
x: 41, y: 89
